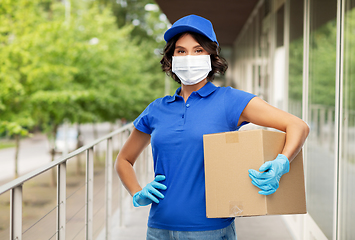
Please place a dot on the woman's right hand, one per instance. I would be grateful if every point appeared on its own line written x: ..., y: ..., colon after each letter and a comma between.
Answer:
x: 150, y: 192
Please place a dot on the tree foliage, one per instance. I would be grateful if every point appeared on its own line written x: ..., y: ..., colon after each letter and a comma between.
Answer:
x: 349, y: 68
x: 322, y: 60
x: 71, y: 62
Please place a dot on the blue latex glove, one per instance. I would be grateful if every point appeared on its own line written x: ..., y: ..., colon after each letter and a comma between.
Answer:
x: 150, y: 192
x: 270, y: 173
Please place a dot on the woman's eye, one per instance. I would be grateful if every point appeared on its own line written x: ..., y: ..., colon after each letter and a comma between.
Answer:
x: 199, y: 50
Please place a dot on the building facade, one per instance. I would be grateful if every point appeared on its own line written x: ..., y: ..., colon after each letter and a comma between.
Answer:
x: 298, y: 56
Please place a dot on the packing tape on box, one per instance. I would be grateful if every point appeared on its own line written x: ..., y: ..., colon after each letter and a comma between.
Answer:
x: 232, y: 137
x: 235, y: 208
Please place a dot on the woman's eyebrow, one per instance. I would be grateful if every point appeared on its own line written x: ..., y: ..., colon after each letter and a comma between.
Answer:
x: 181, y: 47
x: 197, y: 46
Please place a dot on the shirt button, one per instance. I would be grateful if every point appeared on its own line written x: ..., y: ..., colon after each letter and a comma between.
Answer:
x: 182, y: 115
x: 187, y: 105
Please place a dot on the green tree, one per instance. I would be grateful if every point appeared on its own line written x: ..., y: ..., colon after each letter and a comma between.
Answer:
x: 145, y: 16
x: 74, y: 66
x: 349, y: 66
x: 15, y: 111
x: 322, y: 74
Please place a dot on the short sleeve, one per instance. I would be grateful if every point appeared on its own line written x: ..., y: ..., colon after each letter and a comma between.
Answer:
x: 235, y: 102
x: 141, y: 123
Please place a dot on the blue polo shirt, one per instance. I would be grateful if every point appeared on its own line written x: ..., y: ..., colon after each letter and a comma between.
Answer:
x: 177, y: 128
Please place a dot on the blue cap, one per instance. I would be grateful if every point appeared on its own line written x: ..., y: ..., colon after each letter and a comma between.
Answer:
x: 191, y: 23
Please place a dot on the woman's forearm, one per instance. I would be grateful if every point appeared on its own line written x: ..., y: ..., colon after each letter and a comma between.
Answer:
x: 296, y: 134
x: 127, y: 175
x: 261, y: 113
x: 128, y: 155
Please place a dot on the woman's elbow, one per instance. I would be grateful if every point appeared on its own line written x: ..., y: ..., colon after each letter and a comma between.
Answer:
x: 303, y: 128
x: 306, y: 129
x: 299, y: 127
x: 116, y: 165
x: 119, y: 163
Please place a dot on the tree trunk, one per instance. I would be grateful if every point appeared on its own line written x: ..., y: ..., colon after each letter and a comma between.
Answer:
x: 79, y: 145
x: 96, y: 133
x: 17, y: 149
x: 54, y: 132
x: 96, y: 136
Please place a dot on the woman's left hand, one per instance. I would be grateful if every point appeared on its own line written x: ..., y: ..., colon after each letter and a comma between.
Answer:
x: 270, y: 174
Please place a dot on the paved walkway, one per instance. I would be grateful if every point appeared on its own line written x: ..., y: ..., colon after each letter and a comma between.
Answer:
x: 248, y: 228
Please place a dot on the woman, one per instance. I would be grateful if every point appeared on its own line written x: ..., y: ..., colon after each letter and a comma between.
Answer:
x: 175, y: 125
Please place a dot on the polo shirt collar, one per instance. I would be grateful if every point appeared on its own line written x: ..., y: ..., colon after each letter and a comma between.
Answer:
x: 207, y: 89
x: 203, y: 92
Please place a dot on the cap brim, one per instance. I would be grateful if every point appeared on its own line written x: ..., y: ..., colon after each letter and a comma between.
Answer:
x: 172, y: 32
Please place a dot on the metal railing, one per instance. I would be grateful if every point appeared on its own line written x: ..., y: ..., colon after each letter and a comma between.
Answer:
x: 16, y: 188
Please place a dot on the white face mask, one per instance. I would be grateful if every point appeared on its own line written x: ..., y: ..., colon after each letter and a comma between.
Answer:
x: 191, y: 69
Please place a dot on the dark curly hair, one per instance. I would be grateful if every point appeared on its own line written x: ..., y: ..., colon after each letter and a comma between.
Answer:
x: 219, y: 64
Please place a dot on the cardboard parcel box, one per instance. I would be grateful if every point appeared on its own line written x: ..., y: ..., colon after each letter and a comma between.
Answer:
x: 229, y: 191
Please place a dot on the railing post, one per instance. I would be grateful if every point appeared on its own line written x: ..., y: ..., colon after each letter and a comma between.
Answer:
x: 89, y: 193
x: 121, y: 190
x: 120, y: 203
x: 16, y: 213
x: 122, y: 141
x: 61, y: 200
x: 108, y: 188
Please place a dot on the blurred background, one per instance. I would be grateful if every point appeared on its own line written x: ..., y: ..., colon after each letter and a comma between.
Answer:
x: 69, y: 63
x: 73, y: 71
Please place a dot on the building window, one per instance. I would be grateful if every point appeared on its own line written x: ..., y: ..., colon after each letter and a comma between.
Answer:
x: 321, y: 113
x: 347, y: 150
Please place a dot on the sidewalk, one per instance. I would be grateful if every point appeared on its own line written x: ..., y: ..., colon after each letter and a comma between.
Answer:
x: 262, y: 227
x: 248, y: 228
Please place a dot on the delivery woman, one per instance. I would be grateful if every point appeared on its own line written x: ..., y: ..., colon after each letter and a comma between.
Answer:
x: 175, y: 125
